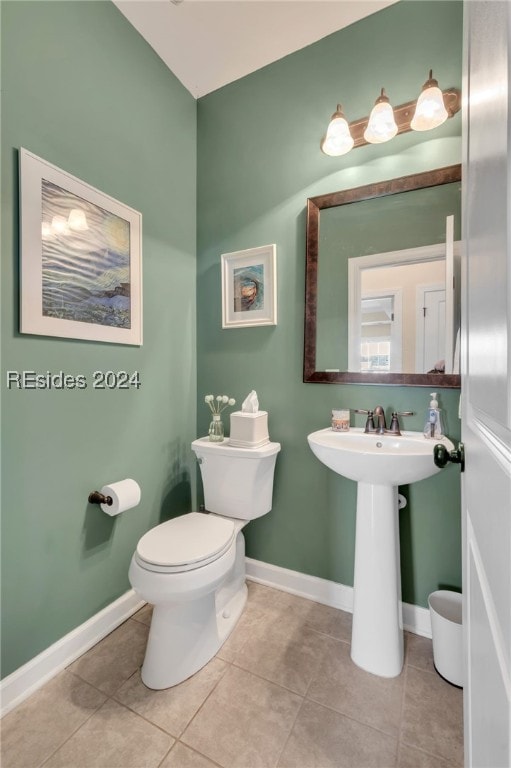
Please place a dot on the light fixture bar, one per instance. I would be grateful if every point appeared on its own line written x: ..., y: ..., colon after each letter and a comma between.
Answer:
x: 403, y: 116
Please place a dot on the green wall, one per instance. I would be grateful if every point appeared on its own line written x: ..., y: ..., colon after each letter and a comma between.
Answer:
x: 258, y: 161
x: 81, y: 89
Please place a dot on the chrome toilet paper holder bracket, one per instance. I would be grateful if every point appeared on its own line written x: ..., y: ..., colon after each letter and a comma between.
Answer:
x: 95, y: 497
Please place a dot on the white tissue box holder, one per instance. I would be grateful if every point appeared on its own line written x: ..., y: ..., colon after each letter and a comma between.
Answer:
x: 249, y: 430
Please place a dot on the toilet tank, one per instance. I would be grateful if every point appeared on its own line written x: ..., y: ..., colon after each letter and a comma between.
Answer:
x: 238, y: 482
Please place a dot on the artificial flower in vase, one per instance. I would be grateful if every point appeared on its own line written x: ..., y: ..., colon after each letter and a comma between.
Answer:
x: 217, y: 405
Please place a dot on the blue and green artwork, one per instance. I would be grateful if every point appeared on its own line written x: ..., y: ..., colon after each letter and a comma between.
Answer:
x: 85, y: 260
x: 248, y: 292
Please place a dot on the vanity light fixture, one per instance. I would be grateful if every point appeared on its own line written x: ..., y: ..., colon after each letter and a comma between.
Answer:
x: 382, y: 124
x: 431, y: 109
x: 338, y: 140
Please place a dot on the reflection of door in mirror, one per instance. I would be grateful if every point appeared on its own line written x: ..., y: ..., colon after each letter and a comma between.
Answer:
x: 430, y: 350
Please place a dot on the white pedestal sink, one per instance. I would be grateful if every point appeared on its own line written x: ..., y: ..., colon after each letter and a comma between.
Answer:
x: 378, y: 463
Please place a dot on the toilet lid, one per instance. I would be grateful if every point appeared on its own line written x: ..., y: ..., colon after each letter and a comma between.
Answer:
x: 188, y: 540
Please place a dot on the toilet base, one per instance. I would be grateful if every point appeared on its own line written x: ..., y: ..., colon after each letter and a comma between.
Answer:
x: 184, y: 636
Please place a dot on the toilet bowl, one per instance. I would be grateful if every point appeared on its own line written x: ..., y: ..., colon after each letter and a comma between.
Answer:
x: 192, y: 568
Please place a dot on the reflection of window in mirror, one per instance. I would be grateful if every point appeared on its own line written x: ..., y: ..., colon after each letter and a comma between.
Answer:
x: 380, y: 331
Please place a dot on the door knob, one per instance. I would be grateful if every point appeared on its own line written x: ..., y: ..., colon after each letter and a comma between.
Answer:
x: 442, y: 456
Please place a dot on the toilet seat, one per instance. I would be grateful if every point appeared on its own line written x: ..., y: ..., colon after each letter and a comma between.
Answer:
x: 185, y: 543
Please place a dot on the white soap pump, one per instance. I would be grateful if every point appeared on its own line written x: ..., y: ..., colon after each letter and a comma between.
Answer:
x: 433, y: 426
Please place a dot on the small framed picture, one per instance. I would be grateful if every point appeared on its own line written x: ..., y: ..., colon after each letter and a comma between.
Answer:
x: 81, y: 258
x: 249, y: 287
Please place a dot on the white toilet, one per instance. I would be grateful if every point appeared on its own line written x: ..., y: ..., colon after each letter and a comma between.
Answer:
x: 192, y: 568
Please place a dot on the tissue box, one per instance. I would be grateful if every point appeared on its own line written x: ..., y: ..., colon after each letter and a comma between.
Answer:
x: 249, y: 430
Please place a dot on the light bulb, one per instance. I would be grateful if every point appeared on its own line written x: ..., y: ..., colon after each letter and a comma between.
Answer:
x: 59, y: 225
x: 77, y: 220
x: 382, y: 125
x: 430, y: 111
x: 46, y: 230
x: 338, y: 140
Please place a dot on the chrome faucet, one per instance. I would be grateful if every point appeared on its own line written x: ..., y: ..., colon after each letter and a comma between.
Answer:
x: 379, y: 413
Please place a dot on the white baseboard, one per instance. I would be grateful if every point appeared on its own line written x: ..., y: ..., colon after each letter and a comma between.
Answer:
x: 415, y: 618
x: 39, y: 670
x: 27, y: 679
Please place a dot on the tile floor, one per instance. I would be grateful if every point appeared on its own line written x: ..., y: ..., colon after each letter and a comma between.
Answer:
x: 281, y: 692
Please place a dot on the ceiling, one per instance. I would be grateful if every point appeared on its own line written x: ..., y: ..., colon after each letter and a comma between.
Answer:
x: 209, y: 43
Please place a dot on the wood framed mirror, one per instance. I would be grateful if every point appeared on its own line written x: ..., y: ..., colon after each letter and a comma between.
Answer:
x: 382, y: 283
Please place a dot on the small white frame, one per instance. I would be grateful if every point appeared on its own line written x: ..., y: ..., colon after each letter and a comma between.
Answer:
x: 249, y: 287
x: 86, y: 265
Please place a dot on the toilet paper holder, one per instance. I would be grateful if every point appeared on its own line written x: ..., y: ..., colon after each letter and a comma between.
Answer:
x: 95, y: 497
x: 117, y: 497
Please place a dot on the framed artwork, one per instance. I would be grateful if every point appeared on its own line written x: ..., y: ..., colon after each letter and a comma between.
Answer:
x: 249, y: 287
x: 81, y: 258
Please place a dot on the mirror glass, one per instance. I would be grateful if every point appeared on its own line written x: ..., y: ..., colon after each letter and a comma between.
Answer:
x: 382, y: 282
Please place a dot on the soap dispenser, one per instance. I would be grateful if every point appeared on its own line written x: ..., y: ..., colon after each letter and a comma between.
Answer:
x: 433, y: 427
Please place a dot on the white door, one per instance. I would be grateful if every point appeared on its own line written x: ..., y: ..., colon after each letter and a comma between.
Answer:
x: 486, y: 425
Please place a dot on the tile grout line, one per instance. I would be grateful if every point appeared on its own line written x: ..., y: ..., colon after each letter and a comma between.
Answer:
x: 197, y: 752
x: 110, y: 697
x: 155, y: 725
x: 267, y: 680
x: 167, y: 753
x: 237, y: 664
x: 446, y: 760
x: 68, y: 670
x: 123, y: 706
x: 350, y: 717
x: 138, y: 714
x: 411, y: 745
x: 75, y: 730
x: 275, y: 765
x: 343, y: 714
x: 227, y: 665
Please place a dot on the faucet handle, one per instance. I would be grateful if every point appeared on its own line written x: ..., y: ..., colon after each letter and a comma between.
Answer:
x: 394, y: 424
x: 369, y: 427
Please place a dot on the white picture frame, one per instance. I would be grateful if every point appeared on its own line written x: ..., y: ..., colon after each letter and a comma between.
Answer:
x: 81, y: 258
x: 249, y: 287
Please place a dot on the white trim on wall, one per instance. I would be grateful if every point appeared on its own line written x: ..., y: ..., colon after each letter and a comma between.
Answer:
x: 27, y: 679
x: 415, y: 618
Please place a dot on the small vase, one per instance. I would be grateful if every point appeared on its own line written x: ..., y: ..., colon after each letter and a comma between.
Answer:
x: 216, y: 429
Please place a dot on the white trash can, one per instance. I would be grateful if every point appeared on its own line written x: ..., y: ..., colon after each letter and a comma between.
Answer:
x: 447, y: 632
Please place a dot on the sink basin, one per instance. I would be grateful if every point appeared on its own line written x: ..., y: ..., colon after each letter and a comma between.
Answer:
x: 379, y: 463
x: 377, y: 459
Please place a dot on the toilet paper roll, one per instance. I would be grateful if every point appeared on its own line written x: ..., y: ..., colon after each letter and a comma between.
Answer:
x: 125, y: 494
